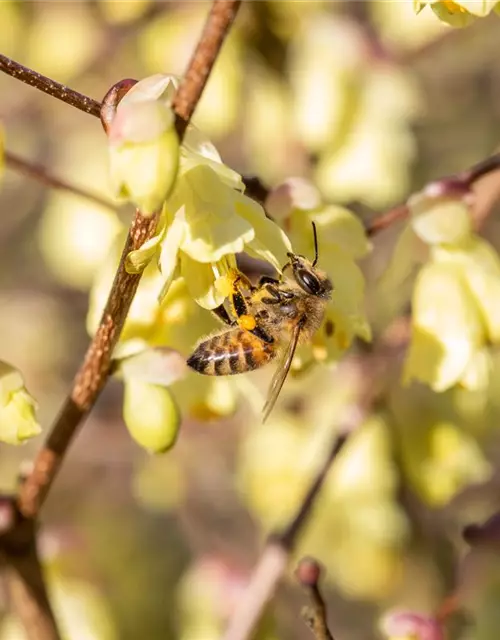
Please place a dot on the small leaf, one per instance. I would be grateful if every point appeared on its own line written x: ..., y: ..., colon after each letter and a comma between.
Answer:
x: 160, y: 366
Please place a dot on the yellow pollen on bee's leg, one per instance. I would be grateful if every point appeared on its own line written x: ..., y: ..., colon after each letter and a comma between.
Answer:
x: 247, y: 322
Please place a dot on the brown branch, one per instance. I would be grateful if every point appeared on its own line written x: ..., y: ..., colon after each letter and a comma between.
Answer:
x: 40, y: 174
x: 276, y: 554
x: 22, y: 570
x: 216, y: 28
x: 53, y: 88
x: 460, y: 183
x: 95, y: 369
x: 308, y: 573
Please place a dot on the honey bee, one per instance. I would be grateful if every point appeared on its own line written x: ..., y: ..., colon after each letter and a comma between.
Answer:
x: 267, y: 322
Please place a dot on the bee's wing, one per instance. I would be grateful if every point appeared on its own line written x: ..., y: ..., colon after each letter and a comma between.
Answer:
x: 281, y: 372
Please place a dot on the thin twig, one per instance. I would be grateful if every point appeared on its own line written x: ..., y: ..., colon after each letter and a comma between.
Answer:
x: 276, y: 554
x: 40, y: 174
x: 459, y: 183
x: 368, y: 373
x: 53, y: 88
x: 308, y: 573
x: 94, y: 371
x: 216, y: 28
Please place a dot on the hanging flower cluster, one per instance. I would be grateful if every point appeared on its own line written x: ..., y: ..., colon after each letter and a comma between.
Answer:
x: 206, y: 218
x: 456, y: 298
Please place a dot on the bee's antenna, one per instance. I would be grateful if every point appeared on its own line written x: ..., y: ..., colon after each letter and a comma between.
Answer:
x: 315, y: 244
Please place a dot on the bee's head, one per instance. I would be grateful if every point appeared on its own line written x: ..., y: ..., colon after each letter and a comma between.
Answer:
x: 308, y: 277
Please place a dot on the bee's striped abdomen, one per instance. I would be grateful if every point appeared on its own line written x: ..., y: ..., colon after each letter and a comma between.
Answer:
x: 234, y: 351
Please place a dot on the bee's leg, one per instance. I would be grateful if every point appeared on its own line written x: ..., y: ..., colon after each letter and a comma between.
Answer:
x: 238, y: 301
x: 277, y: 296
x: 267, y: 280
x: 221, y: 313
x: 244, y: 319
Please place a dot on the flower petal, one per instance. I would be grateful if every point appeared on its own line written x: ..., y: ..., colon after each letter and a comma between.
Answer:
x: 478, y: 371
x: 408, y: 252
x: 451, y: 13
x: 349, y: 287
x: 137, y: 260
x: 480, y: 265
x: 200, y: 280
x: 446, y: 327
x: 159, y: 85
x: 293, y: 193
x: 440, y: 220
x: 340, y: 226
x: 479, y: 8
x: 151, y: 415
x: 17, y: 407
x: 212, y: 227
x: 159, y: 366
x: 270, y: 243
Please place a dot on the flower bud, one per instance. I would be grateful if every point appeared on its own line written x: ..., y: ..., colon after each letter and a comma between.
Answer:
x: 144, y: 153
x: 17, y: 407
x: 441, y: 220
x: 409, y: 625
x: 151, y: 415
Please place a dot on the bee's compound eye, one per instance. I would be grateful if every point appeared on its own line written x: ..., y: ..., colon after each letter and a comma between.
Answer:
x: 308, y: 282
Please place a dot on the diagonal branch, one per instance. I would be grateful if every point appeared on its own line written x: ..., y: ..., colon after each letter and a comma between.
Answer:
x: 53, y: 88
x: 369, y: 373
x: 40, y: 174
x: 95, y: 369
x: 459, y: 183
x: 274, y: 560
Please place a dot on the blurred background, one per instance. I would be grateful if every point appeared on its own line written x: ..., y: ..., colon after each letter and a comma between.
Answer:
x: 368, y: 101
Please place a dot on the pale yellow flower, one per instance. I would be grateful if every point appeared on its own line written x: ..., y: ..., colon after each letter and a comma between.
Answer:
x: 341, y: 241
x: 455, y: 303
x: 207, y: 220
x: 17, y: 407
x: 143, y: 149
x: 447, y: 328
x: 351, y: 111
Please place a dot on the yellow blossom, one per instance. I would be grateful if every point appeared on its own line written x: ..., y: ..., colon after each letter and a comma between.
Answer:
x: 455, y: 308
x: 205, y: 222
x: 143, y: 148
x: 447, y: 328
x: 177, y: 322
x: 341, y: 241
x: 351, y: 111
x: 17, y: 407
